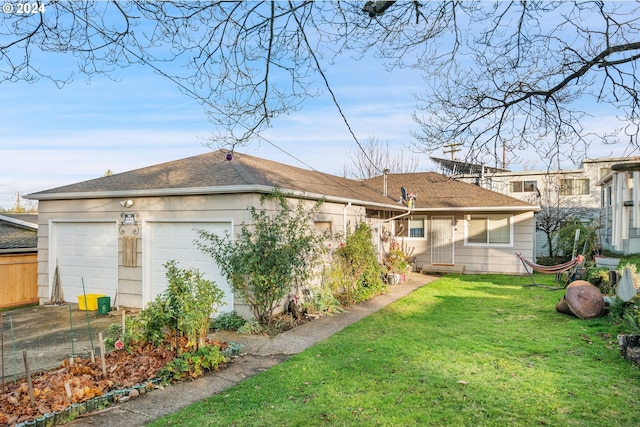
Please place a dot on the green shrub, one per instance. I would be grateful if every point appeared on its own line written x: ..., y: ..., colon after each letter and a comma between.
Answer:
x: 599, y: 276
x: 251, y: 327
x: 227, y: 322
x: 182, y: 310
x: 354, y: 274
x: 566, y: 239
x: 263, y: 263
x: 193, y: 364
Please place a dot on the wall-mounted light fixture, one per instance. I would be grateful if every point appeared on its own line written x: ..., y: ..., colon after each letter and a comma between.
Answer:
x: 129, y: 219
x: 126, y: 203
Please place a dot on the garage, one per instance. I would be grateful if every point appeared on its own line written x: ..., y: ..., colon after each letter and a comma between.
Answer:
x: 174, y: 241
x: 85, y: 251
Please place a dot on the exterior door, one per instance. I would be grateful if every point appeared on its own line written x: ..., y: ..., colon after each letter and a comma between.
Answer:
x: 442, y: 240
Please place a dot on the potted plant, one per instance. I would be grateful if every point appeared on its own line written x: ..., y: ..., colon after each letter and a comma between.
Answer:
x: 397, y: 265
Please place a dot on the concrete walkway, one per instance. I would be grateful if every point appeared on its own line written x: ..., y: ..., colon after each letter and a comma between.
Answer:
x: 259, y: 354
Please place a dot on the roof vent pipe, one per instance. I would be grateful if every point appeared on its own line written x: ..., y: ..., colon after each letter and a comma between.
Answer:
x: 385, y: 172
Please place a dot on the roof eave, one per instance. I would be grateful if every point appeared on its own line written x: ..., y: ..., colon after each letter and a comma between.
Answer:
x: 191, y: 191
x: 19, y: 222
x: 481, y: 209
x: 18, y: 250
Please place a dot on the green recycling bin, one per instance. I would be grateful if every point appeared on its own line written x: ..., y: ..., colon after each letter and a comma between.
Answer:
x: 104, y: 305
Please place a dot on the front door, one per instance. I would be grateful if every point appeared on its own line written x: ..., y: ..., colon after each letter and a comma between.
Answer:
x: 442, y: 240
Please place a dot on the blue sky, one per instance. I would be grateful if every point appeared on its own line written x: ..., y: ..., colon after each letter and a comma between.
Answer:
x: 52, y: 137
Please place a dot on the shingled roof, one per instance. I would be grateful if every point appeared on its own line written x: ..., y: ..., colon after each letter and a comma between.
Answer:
x: 212, y: 173
x: 17, y: 235
x: 436, y: 191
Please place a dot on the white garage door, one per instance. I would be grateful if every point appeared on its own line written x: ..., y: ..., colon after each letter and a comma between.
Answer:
x: 174, y: 241
x: 86, y: 251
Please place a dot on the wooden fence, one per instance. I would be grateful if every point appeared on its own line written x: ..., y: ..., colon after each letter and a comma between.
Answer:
x: 18, y: 279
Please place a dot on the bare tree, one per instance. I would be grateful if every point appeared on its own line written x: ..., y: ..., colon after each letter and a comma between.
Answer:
x: 501, y: 75
x: 522, y: 76
x: 376, y: 156
x: 558, y: 208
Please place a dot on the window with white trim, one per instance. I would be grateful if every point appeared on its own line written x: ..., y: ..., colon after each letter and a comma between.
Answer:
x: 489, y: 230
x: 411, y: 228
x: 523, y: 186
x: 574, y: 187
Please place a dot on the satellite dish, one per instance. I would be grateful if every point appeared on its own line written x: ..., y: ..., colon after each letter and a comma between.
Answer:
x: 404, y: 193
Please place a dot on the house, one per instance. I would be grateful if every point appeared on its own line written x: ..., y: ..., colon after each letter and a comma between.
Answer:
x: 575, y: 191
x: 619, y: 217
x: 18, y: 259
x: 455, y: 226
x: 112, y: 235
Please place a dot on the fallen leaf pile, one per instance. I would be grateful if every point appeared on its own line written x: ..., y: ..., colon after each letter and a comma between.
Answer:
x: 56, y: 389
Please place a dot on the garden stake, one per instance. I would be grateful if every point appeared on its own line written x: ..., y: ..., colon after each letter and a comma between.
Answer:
x: 15, y: 359
x: 28, y: 375
x: 102, y: 356
x: 71, y: 334
x: 67, y: 388
x: 87, y: 311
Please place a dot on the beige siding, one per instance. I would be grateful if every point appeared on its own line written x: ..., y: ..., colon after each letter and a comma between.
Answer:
x: 494, y: 259
x: 195, y: 208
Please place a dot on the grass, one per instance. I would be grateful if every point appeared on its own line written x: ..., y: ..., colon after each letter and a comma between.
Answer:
x: 463, y: 351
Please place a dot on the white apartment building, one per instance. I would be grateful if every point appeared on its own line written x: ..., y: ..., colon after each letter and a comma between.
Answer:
x: 575, y: 191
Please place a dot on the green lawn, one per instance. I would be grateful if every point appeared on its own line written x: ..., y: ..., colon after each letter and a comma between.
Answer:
x: 462, y: 351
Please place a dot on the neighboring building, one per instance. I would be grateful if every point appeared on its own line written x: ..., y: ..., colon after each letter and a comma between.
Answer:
x: 115, y: 233
x: 619, y: 230
x: 18, y: 259
x: 574, y: 191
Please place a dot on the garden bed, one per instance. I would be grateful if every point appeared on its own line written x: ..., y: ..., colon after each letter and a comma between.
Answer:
x: 68, y: 391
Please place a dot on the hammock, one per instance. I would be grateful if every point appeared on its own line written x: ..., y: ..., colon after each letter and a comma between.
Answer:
x: 551, y: 269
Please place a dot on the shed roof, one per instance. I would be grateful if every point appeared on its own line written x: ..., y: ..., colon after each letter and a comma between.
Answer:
x: 17, y: 235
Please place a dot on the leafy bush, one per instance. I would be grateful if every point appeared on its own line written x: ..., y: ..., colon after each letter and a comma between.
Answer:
x: 599, y: 276
x: 251, y: 327
x: 182, y: 310
x: 193, y: 301
x: 566, y: 239
x: 268, y: 257
x: 354, y: 274
x: 192, y: 364
x: 227, y: 322
x: 322, y: 301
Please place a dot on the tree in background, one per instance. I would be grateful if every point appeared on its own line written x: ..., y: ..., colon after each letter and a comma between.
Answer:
x: 557, y: 211
x: 498, y: 75
x: 376, y: 156
x: 21, y: 206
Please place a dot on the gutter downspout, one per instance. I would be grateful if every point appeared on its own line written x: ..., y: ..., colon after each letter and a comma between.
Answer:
x: 344, y: 219
x: 396, y: 217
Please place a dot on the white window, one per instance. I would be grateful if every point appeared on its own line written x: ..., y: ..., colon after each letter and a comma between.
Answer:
x: 523, y: 186
x: 574, y: 187
x: 489, y: 230
x: 409, y: 227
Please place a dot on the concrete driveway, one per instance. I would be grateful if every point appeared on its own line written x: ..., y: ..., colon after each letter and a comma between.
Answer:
x: 49, y: 334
